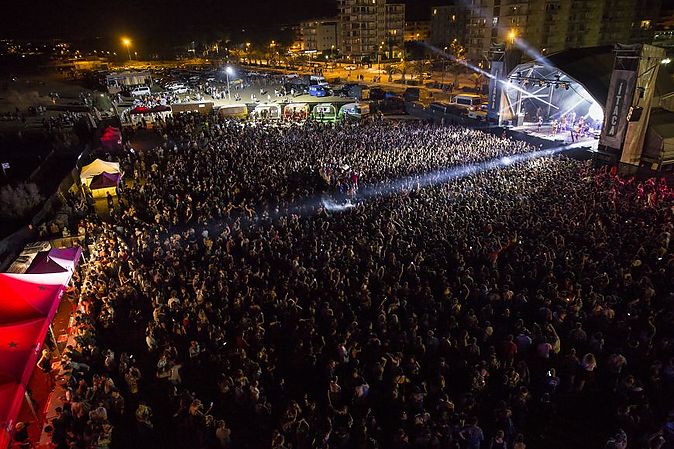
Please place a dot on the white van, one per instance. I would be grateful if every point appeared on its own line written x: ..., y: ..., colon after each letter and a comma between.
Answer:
x: 140, y: 90
x: 316, y: 80
x: 468, y: 101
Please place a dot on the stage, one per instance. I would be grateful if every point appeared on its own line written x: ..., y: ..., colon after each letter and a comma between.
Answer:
x: 548, y: 132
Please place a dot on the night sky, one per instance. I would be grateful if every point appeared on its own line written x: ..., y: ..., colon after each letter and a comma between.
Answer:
x: 162, y: 19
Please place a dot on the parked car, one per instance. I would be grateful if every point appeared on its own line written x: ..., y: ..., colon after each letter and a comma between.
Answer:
x: 178, y: 89
x: 140, y: 90
x: 318, y: 91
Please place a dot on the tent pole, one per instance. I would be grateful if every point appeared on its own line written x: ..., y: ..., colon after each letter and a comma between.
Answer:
x: 30, y: 404
x: 53, y: 339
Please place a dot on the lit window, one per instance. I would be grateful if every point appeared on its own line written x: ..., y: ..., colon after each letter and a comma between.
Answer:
x: 435, y: 12
x: 494, y: 21
x: 645, y: 24
x: 453, y: 18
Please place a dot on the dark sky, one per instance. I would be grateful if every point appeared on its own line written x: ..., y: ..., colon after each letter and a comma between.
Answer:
x: 169, y: 19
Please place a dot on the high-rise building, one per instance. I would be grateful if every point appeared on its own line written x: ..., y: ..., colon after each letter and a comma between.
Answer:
x: 319, y: 35
x: 417, y: 31
x: 448, y: 24
x: 368, y: 29
x: 546, y: 26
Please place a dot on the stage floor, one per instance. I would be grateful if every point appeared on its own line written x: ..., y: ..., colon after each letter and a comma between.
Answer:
x: 564, y: 137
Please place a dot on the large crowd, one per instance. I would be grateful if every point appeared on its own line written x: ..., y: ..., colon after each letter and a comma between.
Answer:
x: 529, y: 305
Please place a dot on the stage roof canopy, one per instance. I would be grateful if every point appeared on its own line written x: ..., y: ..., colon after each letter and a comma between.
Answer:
x: 591, y: 67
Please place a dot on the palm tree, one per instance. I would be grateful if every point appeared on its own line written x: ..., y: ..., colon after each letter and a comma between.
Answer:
x: 390, y: 70
x: 403, y: 68
x: 419, y: 67
x: 478, y: 79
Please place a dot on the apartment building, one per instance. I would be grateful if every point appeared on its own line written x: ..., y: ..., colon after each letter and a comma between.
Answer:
x: 417, y: 31
x: 368, y: 29
x: 448, y: 24
x: 319, y: 35
x: 546, y: 25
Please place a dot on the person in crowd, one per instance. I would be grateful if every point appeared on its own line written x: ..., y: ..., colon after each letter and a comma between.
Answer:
x: 437, y: 311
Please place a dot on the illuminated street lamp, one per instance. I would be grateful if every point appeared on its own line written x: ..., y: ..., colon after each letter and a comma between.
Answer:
x: 512, y: 35
x: 127, y: 43
x: 229, y: 71
x: 381, y: 47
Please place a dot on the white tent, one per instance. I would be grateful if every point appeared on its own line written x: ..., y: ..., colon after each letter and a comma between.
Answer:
x: 96, y: 168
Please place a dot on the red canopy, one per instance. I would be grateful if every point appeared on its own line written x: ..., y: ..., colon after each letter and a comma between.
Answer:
x: 11, y: 395
x: 111, y: 138
x: 28, y: 303
x: 26, y: 296
x: 20, y: 345
x: 20, y: 348
x: 146, y: 110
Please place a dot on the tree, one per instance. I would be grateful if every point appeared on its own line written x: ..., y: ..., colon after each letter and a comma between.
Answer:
x: 403, y: 68
x: 390, y: 70
x: 478, y: 79
x: 17, y: 202
x: 419, y: 67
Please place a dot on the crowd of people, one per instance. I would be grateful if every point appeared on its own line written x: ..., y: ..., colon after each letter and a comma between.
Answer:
x: 223, y: 307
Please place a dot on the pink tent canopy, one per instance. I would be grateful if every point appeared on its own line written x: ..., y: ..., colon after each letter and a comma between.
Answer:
x: 55, y: 260
x: 11, y: 395
x: 20, y: 348
x: 25, y: 296
x: 111, y: 138
x: 28, y: 303
x: 105, y: 180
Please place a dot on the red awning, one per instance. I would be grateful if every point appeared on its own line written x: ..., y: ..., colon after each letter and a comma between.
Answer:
x: 20, y: 345
x: 145, y: 110
x: 11, y: 395
x: 28, y: 303
x: 27, y: 296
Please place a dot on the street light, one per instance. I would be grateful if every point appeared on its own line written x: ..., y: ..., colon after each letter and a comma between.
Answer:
x: 229, y: 71
x: 512, y: 35
x: 381, y: 47
x: 127, y: 43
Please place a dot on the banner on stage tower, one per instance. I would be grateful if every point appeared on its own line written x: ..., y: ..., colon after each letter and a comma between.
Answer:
x: 494, y: 102
x: 620, y: 93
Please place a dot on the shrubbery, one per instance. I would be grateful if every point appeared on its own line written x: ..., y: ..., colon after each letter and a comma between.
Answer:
x: 18, y: 201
